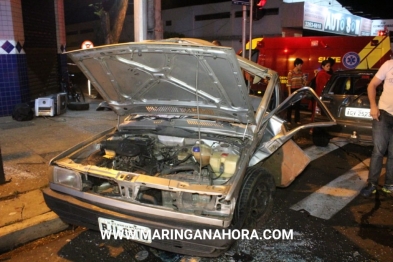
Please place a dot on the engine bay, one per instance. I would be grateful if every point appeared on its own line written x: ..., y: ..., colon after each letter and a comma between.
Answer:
x: 184, y: 174
x: 206, y: 162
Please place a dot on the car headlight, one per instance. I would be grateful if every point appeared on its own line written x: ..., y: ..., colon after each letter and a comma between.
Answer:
x: 67, y: 178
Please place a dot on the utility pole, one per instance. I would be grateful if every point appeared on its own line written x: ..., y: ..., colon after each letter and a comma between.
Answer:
x: 244, y: 30
x: 158, y: 30
x: 250, y: 36
x: 140, y: 21
x: 244, y: 4
x: 154, y: 24
x: 150, y: 19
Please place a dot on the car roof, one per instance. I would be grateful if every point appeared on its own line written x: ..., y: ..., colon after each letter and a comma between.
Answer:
x: 356, y: 71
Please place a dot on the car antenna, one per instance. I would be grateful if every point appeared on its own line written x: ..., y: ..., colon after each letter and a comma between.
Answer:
x: 198, y: 115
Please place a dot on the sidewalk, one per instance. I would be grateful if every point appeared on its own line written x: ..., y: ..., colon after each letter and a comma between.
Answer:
x: 26, y: 149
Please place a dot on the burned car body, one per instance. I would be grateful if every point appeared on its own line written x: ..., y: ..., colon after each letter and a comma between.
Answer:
x: 190, y: 152
x: 345, y: 95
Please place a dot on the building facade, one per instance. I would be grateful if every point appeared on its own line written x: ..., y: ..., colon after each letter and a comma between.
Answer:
x: 33, y: 35
x: 223, y: 21
x: 32, y: 40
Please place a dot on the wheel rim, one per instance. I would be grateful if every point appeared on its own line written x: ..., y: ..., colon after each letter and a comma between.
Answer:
x: 259, y: 202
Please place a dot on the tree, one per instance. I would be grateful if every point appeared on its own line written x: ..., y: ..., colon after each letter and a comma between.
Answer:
x: 112, y: 14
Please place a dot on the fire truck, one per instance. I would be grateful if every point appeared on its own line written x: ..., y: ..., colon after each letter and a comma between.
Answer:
x: 279, y: 53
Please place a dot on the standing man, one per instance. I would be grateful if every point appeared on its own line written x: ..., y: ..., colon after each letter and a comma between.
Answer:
x: 295, y: 81
x: 382, y: 115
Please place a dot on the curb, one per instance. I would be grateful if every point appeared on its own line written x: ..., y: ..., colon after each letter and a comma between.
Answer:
x: 30, y: 229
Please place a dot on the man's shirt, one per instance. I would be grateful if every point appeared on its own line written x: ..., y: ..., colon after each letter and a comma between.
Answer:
x: 385, y: 73
x: 295, y: 79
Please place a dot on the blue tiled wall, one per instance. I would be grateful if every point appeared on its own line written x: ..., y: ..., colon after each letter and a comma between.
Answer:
x: 13, y: 82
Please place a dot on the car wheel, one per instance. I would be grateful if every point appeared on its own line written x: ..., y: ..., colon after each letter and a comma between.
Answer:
x: 255, y: 201
x: 320, y: 137
x: 78, y: 106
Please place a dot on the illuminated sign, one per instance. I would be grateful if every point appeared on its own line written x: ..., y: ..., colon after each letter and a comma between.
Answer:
x: 381, y: 25
x: 321, y: 18
x: 337, y: 59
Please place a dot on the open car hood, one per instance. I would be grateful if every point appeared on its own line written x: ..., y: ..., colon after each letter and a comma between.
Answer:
x: 168, y: 78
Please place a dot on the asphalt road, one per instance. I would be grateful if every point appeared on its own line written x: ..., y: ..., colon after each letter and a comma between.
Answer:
x: 361, y: 231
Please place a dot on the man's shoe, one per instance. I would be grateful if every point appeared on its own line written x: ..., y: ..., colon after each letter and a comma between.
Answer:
x: 388, y: 189
x: 368, y: 190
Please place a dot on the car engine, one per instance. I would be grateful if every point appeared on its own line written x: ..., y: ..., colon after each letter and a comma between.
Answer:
x: 203, y: 162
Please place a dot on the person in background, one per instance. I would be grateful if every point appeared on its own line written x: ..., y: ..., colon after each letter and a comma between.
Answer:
x: 382, y: 115
x: 332, y: 61
x: 295, y: 81
x: 321, y: 78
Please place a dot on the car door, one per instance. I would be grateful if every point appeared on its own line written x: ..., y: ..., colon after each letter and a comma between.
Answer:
x: 275, y: 150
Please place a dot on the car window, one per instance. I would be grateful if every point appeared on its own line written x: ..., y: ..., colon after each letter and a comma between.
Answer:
x: 360, y: 85
x: 254, y: 55
x: 350, y: 85
x: 341, y: 85
x: 260, y: 84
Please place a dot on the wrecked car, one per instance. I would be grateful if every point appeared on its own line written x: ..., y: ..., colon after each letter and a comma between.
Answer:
x: 192, y: 149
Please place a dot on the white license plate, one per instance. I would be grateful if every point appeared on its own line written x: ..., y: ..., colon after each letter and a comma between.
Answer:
x: 129, y: 231
x: 357, y: 112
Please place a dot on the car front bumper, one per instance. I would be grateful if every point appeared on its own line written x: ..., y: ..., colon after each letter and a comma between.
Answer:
x: 74, y: 211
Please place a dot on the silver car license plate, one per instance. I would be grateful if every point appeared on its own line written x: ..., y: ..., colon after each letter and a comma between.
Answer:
x: 357, y: 112
x: 125, y: 231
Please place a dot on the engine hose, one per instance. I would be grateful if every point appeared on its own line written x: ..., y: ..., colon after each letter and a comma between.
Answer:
x: 217, y: 177
x: 169, y: 170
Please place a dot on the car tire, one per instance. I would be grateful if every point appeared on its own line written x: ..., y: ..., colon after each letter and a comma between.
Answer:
x: 78, y: 106
x: 320, y: 137
x: 255, y: 201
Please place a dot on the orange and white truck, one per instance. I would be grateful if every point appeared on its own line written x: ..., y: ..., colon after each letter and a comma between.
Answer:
x: 279, y: 53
